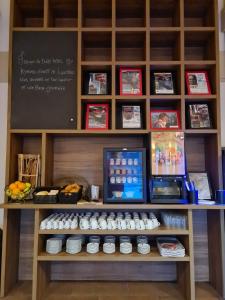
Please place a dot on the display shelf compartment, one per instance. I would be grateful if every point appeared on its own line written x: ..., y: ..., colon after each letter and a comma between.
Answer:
x: 130, y: 13
x: 130, y: 46
x: 96, y: 69
x: 138, y: 102
x: 96, y: 46
x: 212, y: 112
x: 199, y: 154
x: 176, y: 75
x: 199, y: 13
x: 28, y: 13
x: 85, y: 102
x: 143, y: 72
x: 97, y: 13
x: 25, y: 144
x: 207, y: 66
x: 165, y: 46
x: 63, y: 13
x: 135, y: 257
x: 199, y: 45
x: 164, y: 13
x: 166, y: 105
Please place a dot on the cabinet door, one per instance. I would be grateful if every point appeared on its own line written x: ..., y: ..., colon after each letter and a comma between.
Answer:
x: 44, y: 80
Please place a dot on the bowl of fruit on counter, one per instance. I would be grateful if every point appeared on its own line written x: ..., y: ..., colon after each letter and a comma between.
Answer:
x: 70, y: 194
x: 18, y: 191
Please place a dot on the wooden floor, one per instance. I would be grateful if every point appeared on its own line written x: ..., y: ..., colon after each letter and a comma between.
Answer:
x: 110, y: 291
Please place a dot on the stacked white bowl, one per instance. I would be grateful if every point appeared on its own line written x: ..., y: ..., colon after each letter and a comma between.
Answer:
x: 54, y: 245
x: 74, y: 244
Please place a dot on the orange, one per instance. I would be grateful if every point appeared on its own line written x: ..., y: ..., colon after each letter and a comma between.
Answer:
x: 17, y: 182
x: 12, y: 186
x: 16, y: 191
x: 21, y: 186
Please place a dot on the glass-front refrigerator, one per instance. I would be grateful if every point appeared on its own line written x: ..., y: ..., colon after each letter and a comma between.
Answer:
x: 124, y: 175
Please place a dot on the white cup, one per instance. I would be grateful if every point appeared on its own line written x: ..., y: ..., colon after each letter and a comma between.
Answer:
x: 137, y: 224
x: 155, y: 222
x: 93, y: 223
x: 102, y: 224
x: 149, y: 224
x: 142, y: 225
x: 132, y: 224
x: 84, y: 224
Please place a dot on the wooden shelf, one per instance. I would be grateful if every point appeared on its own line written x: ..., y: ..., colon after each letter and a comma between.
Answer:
x: 200, y: 97
x: 202, y: 63
x: 130, y: 29
x: 96, y: 63
x: 130, y: 98
x: 201, y: 131
x: 165, y: 29
x: 131, y: 63
x: 104, y: 290
x: 96, y: 29
x: 133, y: 257
x: 165, y: 97
x: 74, y: 132
x: 96, y: 97
x: 165, y: 63
x: 113, y: 206
x: 159, y: 231
x: 199, y: 28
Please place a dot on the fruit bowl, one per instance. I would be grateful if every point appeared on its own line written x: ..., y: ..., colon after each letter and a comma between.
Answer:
x: 18, y: 190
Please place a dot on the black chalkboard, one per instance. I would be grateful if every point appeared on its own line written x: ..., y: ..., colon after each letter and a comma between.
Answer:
x: 44, y: 80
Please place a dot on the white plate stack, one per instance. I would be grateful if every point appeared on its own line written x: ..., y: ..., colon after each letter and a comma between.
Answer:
x: 54, y: 245
x: 170, y: 247
x: 74, y: 245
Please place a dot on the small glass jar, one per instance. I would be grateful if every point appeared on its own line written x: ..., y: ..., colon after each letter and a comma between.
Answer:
x: 142, y: 239
x: 124, y: 239
x: 94, y: 239
x: 110, y: 239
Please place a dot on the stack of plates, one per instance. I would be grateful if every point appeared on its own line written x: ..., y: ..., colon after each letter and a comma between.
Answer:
x: 170, y: 246
x: 54, y: 245
x: 74, y: 245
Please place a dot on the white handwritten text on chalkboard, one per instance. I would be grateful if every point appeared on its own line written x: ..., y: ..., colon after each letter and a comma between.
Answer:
x: 45, y: 75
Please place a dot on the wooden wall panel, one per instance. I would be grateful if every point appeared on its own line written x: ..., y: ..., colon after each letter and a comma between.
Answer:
x: 195, y: 153
x: 83, y: 156
x: 201, y: 245
x: 114, y: 271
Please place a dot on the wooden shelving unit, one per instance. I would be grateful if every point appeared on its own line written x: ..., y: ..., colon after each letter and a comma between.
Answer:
x: 176, y: 35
